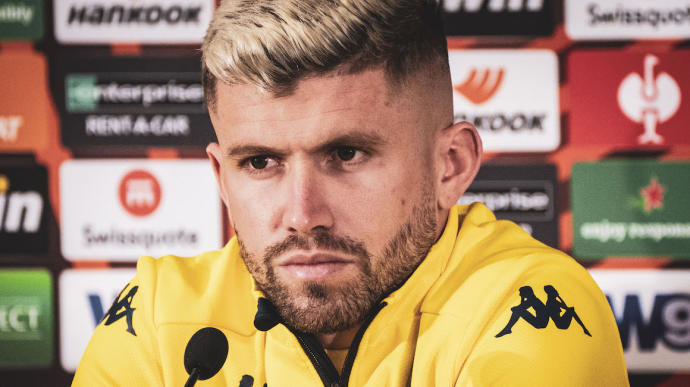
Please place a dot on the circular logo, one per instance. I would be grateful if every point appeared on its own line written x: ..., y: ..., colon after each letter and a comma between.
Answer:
x: 140, y: 193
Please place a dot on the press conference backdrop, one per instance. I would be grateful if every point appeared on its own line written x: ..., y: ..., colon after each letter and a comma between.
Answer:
x: 583, y: 107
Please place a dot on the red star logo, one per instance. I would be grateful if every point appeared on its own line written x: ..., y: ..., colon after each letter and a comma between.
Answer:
x: 653, y: 195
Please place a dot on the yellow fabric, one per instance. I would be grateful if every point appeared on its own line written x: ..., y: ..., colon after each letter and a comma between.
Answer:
x: 438, y: 329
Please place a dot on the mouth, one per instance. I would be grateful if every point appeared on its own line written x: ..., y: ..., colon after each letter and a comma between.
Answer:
x: 314, y: 267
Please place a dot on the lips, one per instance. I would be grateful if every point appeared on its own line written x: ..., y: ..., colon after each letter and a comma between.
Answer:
x: 314, y: 266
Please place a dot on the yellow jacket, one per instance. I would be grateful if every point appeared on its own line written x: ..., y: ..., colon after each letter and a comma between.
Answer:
x: 484, y: 278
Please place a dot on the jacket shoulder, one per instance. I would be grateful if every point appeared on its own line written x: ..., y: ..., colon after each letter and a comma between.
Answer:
x: 211, y: 288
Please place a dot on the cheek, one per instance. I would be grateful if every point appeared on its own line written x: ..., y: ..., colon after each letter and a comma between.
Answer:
x: 250, y: 214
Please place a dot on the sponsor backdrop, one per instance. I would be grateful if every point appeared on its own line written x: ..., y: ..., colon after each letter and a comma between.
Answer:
x: 582, y: 106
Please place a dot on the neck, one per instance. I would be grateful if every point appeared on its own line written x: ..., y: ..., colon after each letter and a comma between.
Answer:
x: 338, y: 340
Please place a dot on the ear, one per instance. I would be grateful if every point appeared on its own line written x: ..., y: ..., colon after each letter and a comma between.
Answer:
x: 215, y: 155
x: 459, y: 152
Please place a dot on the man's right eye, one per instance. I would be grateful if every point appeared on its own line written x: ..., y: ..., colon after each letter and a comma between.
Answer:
x: 258, y: 162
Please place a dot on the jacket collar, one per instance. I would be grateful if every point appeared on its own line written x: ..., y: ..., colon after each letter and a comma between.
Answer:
x: 415, y: 288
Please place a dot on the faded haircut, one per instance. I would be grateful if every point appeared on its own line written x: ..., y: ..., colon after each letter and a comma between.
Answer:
x: 273, y: 44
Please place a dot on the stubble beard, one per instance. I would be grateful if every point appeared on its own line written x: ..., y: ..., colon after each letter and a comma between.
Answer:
x: 320, y: 308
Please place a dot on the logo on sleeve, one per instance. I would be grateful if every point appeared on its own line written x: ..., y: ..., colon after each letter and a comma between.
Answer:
x: 554, y: 309
x: 122, y: 307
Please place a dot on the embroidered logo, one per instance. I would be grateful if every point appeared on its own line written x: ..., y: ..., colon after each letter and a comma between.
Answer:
x: 122, y: 307
x: 554, y: 309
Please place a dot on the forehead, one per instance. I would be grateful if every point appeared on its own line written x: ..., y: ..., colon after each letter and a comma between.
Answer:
x: 335, y: 100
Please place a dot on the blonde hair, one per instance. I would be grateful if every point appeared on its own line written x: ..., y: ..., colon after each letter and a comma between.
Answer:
x: 272, y: 44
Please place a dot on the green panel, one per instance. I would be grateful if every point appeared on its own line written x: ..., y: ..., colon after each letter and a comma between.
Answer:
x: 82, y: 92
x: 21, y: 19
x: 631, y: 208
x: 26, y: 318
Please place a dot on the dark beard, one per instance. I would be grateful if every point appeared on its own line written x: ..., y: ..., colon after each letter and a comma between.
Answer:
x: 332, y: 309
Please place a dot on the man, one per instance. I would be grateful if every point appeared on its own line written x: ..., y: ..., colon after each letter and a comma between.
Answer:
x: 340, y: 166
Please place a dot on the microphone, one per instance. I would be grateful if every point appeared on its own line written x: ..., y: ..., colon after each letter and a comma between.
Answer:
x: 205, y: 354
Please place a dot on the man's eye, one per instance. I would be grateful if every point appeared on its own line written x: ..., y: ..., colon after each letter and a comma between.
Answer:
x: 258, y: 162
x: 346, y: 153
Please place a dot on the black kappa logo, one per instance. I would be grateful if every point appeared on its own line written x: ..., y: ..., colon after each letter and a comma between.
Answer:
x: 122, y: 307
x: 543, y: 312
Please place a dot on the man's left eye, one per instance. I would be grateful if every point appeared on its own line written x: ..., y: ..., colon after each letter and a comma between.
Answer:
x: 346, y: 153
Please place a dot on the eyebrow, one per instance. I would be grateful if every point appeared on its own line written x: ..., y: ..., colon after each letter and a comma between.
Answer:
x: 359, y: 139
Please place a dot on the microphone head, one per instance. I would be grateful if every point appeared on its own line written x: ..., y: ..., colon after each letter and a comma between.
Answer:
x: 206, y: 351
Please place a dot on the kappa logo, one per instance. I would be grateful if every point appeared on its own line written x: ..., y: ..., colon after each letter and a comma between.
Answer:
x: 20, y: 211
x: 480, y: 85
x: 649, y: 100
x: 122, y: 307
x: 493, y: 5
x: 140, y: 193
x: 543, y: 312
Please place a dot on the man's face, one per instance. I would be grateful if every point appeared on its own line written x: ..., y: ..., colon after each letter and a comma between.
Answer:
x: 330, y: 191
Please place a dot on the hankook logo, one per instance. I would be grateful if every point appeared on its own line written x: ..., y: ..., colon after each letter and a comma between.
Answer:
x: 139, y: 193
x: 511, y: 96
x: 144, y: 21
x: 480, y: 85
x: 120, y: 14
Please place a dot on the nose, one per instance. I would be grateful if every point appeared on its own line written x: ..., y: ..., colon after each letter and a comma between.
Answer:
x: 306, y: 207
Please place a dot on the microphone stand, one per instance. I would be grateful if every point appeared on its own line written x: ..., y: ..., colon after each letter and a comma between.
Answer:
x: 192, y: 378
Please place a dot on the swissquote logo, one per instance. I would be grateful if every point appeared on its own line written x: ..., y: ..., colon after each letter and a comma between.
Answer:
x: 140, y: 193
x: 22, y: 209
x: 119, y: 210
x: 652, y: 310
x: 498, y: 17
x: 629, y: 19
x: 511, y: 96
x: 144, y: 21
x: 85, y: 296
x: 649, y: 99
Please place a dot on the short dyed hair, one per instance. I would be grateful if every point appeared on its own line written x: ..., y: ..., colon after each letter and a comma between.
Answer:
x: 273, y: 44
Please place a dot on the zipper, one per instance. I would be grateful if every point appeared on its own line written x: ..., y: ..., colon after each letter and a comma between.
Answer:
x: 352, y: 352
x: 319, y: 359
x: 323, y: 364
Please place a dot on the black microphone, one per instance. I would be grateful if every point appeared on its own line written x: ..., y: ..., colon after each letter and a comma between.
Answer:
x: 205, y: 354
